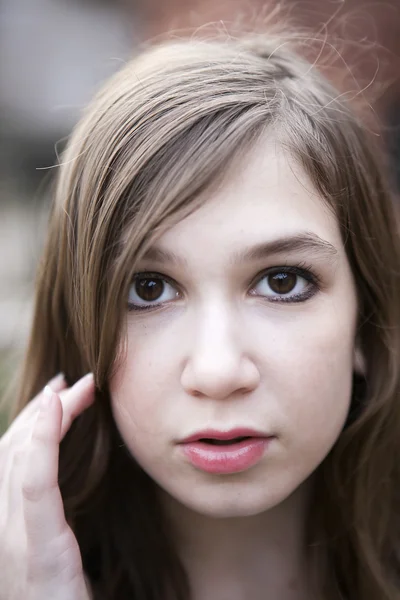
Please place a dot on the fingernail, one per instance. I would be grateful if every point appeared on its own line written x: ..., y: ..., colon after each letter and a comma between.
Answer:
x: 84, y: 380
x: 57, y: 379
x: 47, y: 396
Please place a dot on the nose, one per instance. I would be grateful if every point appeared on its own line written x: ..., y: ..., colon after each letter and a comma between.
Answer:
x: 217, y: 366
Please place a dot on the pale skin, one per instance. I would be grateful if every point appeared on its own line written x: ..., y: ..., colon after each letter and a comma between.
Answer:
x: 217, y: 352
x: 39, y: 555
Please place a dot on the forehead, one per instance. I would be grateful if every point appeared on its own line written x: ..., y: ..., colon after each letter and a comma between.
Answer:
x: 264, y: 195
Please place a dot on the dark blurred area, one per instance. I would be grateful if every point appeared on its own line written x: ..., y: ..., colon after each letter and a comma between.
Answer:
x: 54, y: 54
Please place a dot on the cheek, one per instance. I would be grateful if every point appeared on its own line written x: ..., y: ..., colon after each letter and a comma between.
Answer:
x: 136, y: 412
x: 139, y: 387
x: 313, y: 390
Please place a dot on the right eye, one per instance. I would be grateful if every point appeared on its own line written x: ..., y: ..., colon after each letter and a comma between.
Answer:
x: 149, y: 290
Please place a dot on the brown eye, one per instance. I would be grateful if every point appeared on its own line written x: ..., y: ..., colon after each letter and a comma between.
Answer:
x: 286, y: 284
x: 282, y: 283
x: 149, y: 289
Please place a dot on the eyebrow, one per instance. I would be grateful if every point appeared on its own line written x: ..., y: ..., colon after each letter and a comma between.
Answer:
x: 302, y: 242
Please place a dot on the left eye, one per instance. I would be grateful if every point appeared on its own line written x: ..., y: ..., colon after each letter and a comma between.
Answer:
x: 149, y: 290
x: 282, y: 284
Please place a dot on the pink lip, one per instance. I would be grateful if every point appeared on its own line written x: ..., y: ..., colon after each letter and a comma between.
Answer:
x: 225, y: 459
x: 214, y: 434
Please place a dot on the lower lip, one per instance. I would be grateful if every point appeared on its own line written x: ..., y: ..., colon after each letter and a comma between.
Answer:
x: 223, y: 460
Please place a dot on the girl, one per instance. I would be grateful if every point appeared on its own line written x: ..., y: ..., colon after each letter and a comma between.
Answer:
x: 223, y: 260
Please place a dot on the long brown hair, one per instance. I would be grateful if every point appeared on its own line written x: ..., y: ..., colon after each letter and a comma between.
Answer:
x: 159, y: 134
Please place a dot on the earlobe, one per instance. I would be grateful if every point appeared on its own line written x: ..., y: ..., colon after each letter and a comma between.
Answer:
x: 359, y: 363
x: 359, y: 387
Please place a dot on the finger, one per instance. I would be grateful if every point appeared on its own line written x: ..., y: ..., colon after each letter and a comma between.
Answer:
x: 75, y: 400
x: 19, y: 431
x: 12, y: 483
x: 57, y: 384
x: 42, y: 504
x: 16, y: 457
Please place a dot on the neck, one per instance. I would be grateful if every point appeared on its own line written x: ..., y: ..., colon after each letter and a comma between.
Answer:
x: 258, y: 557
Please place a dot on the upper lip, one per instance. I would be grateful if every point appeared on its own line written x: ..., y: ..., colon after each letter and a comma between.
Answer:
x: 214, y: 434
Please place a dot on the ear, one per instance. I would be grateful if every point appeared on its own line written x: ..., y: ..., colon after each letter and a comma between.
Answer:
x: 359, y: 363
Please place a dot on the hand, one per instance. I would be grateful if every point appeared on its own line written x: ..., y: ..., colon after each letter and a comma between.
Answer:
x: 39, y: 554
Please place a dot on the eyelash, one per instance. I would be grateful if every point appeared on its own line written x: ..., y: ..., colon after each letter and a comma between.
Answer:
x: 150, y: 275
x: 301, y: 270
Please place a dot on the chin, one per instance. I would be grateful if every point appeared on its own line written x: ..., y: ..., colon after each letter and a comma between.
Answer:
x: 226, y: 499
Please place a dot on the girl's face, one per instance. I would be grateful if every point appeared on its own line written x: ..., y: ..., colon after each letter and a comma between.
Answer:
x: 241, y: 325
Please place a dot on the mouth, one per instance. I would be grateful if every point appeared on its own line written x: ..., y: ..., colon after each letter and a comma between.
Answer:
x: 224, y: 453
x: 225, y: 438
x: 229, y: 442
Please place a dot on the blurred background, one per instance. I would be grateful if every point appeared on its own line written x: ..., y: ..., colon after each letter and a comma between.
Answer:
x: 54, y: 54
